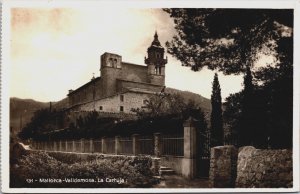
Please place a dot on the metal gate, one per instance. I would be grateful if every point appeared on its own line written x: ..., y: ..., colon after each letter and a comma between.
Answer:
x: 203, y: 153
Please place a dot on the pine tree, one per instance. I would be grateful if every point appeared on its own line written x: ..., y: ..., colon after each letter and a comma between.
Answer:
x: 217, y: 133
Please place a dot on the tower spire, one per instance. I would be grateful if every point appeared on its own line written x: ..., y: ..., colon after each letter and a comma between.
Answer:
x: 156, y: 42
x: 156, y: 62
x: 155, y: 35
x: 155, y: 53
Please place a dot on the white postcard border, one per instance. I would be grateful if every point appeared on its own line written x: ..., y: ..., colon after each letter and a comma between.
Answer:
x: 5, y: 72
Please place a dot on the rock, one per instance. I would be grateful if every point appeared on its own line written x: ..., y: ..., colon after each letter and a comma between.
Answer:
x: 19, y: 149
x: 264, y: 168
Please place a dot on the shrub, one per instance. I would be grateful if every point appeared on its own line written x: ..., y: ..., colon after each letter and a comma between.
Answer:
x: 135, y: 171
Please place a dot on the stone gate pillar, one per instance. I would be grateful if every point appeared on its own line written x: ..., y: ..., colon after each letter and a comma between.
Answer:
x: 189, y: 167
x: 157, y: 145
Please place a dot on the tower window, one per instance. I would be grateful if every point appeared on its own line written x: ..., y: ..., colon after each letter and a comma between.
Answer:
x: 159, y: 70
x: 115, y: 63
x: 122, y: 98
x: 121, y: 109
x: 101, y: 108
x: 155, y: 70
x: 110, y: 63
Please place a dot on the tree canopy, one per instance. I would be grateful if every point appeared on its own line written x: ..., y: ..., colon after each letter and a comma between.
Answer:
x: 228, y: 40
x: 232, y: 41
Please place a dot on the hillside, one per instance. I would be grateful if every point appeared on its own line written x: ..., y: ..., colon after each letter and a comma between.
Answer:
x: 204, y: 103
x: 62, y: 104
x: 21, y: 111
x: 25, y: 108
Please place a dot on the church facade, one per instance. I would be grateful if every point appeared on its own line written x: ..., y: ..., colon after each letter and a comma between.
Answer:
x: 121, y: 86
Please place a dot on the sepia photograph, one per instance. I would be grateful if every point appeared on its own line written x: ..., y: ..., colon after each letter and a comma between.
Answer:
x: 116, y: 95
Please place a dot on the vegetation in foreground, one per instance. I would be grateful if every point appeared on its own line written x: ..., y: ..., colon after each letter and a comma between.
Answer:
x: 39, y: 170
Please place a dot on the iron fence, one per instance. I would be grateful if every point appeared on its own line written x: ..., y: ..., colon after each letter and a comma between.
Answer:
x: 77, y: 146
x: 126, y: 145
x: 86, y: 146
x: 97, y: 144
x: 146, y: 144
x: 110, y: 145
x: 169, y: 145
x: 172, y: 145
x: 69, y: 146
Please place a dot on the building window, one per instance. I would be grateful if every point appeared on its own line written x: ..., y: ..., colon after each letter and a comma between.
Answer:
x: 101, y: 108
x: 122, y: 98
x: 121, y: 108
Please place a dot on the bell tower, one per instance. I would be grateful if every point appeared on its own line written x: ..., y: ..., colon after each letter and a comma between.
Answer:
x: 156, y: 62
x: 111, y: 67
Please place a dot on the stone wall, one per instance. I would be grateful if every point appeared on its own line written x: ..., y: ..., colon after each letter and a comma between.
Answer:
x: 74, y: 115
x: 222, y: 172
x: 113, y: 103
x: 250, y: 168
x: 173, y: 162
x: 124, y: 84
x: 87, y: 92
x: 264, y: 168
x: 133, y: 72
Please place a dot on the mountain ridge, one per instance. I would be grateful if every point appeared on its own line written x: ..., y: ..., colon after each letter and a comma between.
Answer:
x: 22, y: 110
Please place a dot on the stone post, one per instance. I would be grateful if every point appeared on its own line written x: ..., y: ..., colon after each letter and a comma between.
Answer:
x: 54, y: 146
x: 91, y: 146
x: 103, y: 146
x: 66, y: 145
x: 73, y: 146
x: 189, y: 167
x: 223, y: 169
x: 60, y: 145
x: 155, y: 166
x: 117, y: 145
x: 135, y: 144
x: 82, y: 145
x: 157, y: 145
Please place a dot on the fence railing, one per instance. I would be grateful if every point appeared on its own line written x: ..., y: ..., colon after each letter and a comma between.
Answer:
x: 172, y: 145
x: 97, y: 144
x: 135, y: 145
x: 126, y: 145
x: 146, y: 145
x: 110, y: 146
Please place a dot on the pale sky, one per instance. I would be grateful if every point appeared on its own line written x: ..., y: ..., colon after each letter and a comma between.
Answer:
x: 54, y: 50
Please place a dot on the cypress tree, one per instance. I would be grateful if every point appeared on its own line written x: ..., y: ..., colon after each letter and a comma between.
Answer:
x: 217, y: 133
x: 246, y: 126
